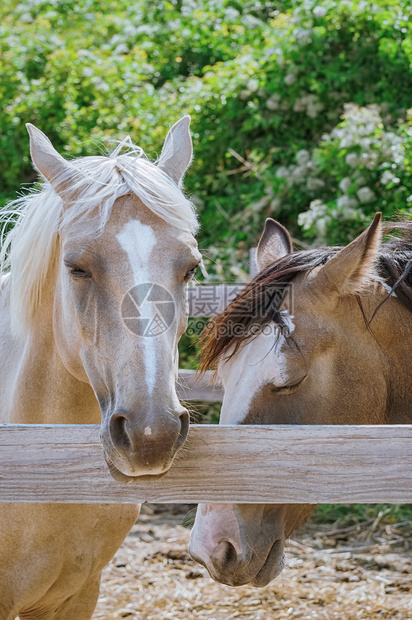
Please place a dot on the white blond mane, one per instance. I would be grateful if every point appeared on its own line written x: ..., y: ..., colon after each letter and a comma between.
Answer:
x: 29, y: 248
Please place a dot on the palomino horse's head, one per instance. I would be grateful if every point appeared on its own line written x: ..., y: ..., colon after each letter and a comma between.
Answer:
x: 108, y: 244
x: 318, y: 364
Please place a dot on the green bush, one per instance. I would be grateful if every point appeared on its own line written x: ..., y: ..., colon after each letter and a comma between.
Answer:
x: 266, y: 85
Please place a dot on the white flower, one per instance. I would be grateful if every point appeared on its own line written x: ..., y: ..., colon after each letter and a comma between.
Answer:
x: 346, y: 202
x: 345, y: 185
x: 252, y: 85
x: 309, y: 104
x: 231, y: 14
x: 314, y: 106
x: 244, y: 94
x: 121, y: 49
x: 320, y: 11
x: 100, y: 84
x: 387, y: 177
x: 273, y: 102
x: 366, y: 143
x: 337, y: 132
x: 26, y: 18
x: 250, y: 21
x: 129, y: 30
x: 316, y: 215
x: 290, y: 78
x: 349, y: 214
x: 303, y: 35
x: 298, y: 172
x: 282, y: 172
x: 398, y: 153
x: 302, y: 157
x: 314, y: 184
x: 87, y: 72
x: 321, y: 226
x: 365, y: 195
x: 352, y: 160
x: 305, y: 220
x: 318, y: 207
x: 300, y: 105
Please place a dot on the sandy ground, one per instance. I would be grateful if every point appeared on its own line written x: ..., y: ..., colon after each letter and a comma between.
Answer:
x: 331, y: 572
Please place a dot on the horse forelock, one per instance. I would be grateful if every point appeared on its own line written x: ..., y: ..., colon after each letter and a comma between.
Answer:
x: 93, y: 185
x: 257, y: 305
x: 394, y: 268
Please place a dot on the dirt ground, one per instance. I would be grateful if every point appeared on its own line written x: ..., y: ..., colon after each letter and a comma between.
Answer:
x: 331, y: 572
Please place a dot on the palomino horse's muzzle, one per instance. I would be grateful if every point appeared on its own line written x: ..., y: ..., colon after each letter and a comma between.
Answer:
x: 141, y: 447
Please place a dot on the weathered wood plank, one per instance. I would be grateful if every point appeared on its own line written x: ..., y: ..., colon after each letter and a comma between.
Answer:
x: 191, y: 387
x: 260, y: 464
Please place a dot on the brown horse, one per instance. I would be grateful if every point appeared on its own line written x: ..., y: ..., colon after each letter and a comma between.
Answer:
x: 342, y: 358
x: 91, y: 312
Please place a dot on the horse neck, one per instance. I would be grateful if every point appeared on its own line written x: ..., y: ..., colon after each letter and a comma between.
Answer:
x: 45, y: 392
x: 392, y: 329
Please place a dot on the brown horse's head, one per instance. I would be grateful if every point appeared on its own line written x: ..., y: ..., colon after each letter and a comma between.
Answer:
x: 304, y: 356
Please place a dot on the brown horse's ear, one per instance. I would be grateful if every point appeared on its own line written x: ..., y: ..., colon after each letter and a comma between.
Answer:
x: 275, y: 243
x: 48, y: 162
x: 350, y: 270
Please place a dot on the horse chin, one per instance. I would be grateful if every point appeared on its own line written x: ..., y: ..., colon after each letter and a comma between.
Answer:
x: 273, y: 566
x: 119, y: 476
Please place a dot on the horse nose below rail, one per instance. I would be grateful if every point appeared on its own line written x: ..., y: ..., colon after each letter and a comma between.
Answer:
x: 144, y: 447
x: 224, y: 556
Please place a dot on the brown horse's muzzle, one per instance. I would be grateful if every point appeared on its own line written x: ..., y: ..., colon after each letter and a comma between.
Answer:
x: 226, y: 566
x: 140, y: 447
x: 236, y: 548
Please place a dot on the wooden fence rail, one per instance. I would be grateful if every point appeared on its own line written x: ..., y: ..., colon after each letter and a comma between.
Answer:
x: 240, y: 464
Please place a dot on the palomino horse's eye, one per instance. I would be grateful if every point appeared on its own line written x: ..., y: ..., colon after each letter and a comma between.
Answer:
x: 191, y: 274
x: 78, y: 273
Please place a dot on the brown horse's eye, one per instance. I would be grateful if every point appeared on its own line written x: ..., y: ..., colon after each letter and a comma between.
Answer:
x: 191, y: 274
x: 287, y: 389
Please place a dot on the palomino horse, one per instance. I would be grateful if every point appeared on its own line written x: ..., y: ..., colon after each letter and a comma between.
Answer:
x: 90, y: 317
x: 342, y: 358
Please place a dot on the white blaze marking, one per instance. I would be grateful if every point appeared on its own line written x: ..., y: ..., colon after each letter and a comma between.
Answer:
x: 257, y: 363
x: 147, y: 430
x: 138, y: 241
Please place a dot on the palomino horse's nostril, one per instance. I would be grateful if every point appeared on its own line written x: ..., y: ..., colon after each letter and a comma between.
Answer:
x: 184, y: 429
x: 224, y: 556
x: 139, y: 444
x: 118, y: 432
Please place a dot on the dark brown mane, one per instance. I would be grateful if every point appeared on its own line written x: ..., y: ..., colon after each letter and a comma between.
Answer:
x: 259, y: 302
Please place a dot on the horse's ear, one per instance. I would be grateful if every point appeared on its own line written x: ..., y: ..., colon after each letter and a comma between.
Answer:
x: 350, y: 270
x: 177, y: 150
x: 47, y: 160
x: 275, y: 243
